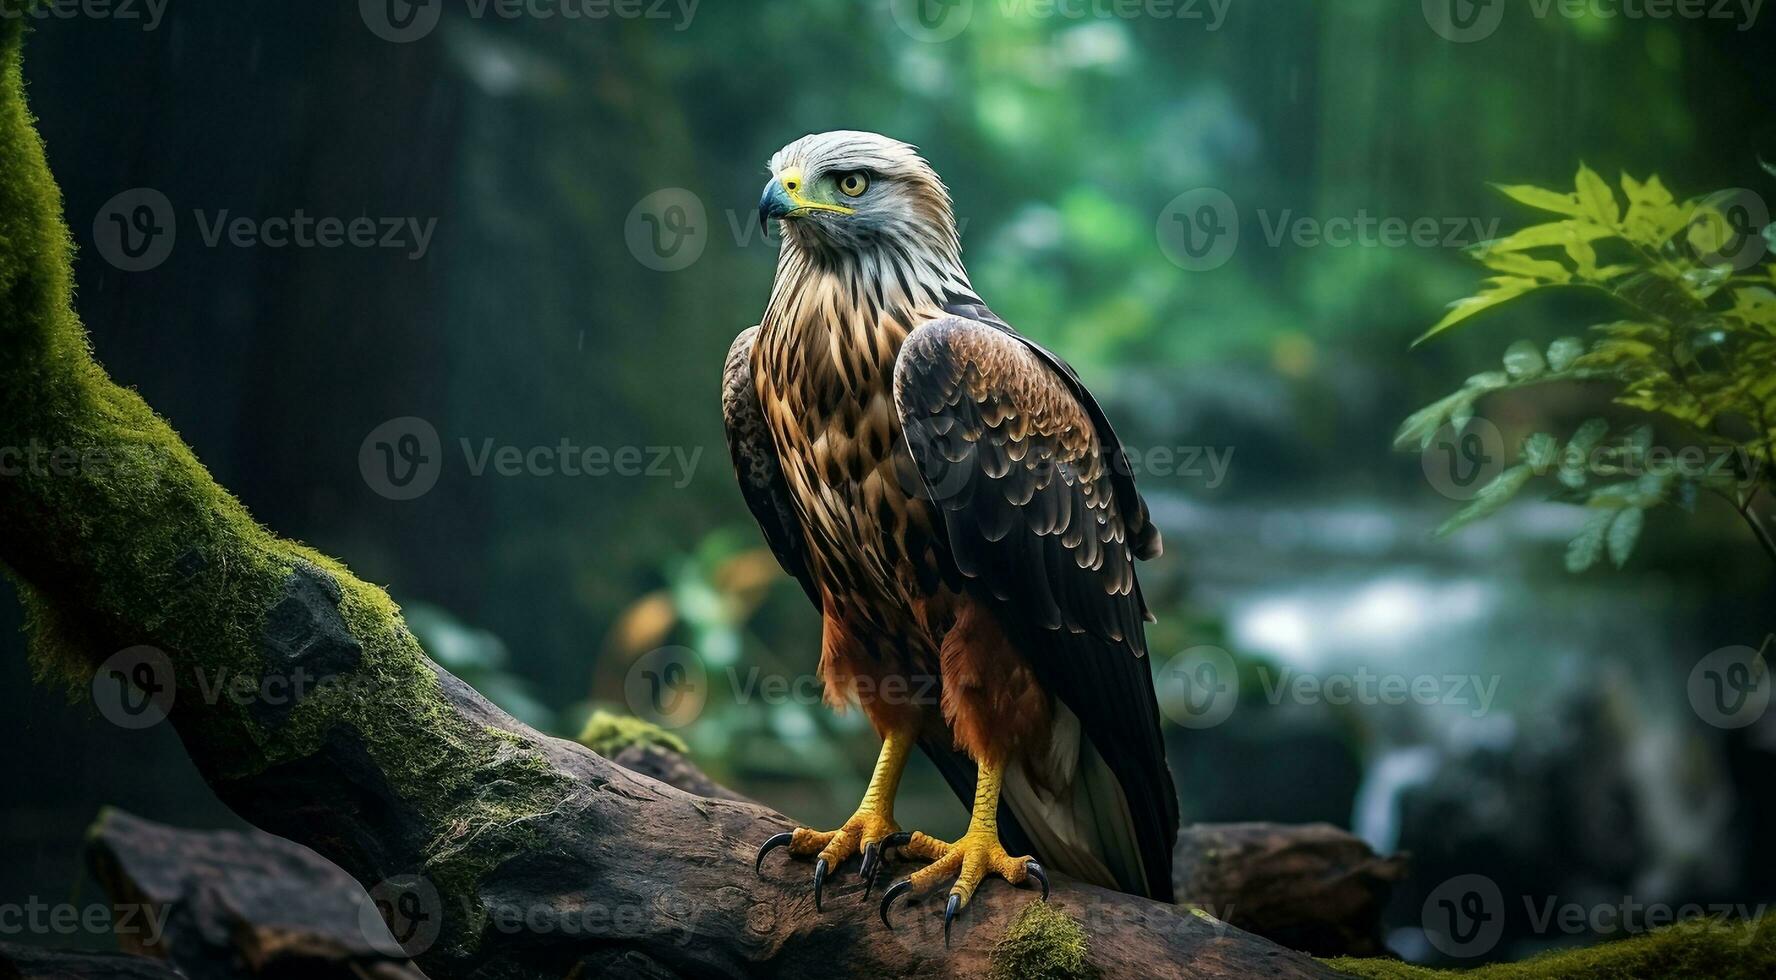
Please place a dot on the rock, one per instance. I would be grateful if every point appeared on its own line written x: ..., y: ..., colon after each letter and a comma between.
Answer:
x: 20, y: 962
x: 241, y: 904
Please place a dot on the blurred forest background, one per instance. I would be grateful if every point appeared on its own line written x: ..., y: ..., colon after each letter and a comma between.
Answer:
x: 533, y: 318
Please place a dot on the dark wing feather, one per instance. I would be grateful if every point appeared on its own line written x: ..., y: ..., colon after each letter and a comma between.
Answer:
x: 1144, y: 538
x: 1041, y: 514
x: 756, y: 464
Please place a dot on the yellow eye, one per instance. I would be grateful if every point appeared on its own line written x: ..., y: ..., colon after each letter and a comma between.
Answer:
x: 853, y: 184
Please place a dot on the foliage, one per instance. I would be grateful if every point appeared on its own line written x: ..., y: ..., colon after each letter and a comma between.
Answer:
x: 1043, y: 943
x: 1695, y: 351
x: 1700, y: 948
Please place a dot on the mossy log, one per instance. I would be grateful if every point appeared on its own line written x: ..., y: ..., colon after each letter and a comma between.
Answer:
x: 240, y: 905
x: 516, y: 854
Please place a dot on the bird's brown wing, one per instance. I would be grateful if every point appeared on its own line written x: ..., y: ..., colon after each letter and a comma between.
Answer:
x: 1040, y: 513
x: 756, y: 464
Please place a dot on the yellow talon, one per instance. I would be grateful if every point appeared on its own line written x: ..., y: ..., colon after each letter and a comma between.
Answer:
x: 969, y: 860
x: 867, y: 826
x: 869, y: 830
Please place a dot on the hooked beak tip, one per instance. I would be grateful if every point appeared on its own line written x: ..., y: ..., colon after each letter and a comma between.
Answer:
x: 773, y: 203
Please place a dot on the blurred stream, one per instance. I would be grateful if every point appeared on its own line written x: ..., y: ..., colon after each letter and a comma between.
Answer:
x: 1539, y: 728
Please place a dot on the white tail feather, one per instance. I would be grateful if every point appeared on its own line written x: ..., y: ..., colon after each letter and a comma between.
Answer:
x: 1084, y: 828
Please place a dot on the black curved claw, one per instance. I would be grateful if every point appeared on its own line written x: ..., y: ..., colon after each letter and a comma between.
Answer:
x: 872, y: 858
x: 953, y: 906
x: 872, y: 853
x: 775, y: 841
x: 819, y: 879
x: 1037, y: 873
x: 894, y: 891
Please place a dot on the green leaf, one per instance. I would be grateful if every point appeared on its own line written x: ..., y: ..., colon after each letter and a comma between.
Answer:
x: 1463, y: 412
x: 1614, y: 271
x: 1653, y: 216
x: 1624, y: 531
x: 1706, y: 279
x: 1584, y: 257
x: 1633, y: 330
x: 1651, y: 194
x: 1523, y: 360
x: 1755, y: 304
x: 1710, y: 231
x: 1543, y: 200
x: 1564, y: 351
x: 1421, y: 426
x: 1502, y: 288
x: 1607, y: 353
x: 1554, y: 233
x: 1595, y: 198
x: 1587, y: 546
x: 1574, y: 466
x: 1615, y: 496
x: 1652, y: 487
x: 1540, y: 451
x: 1575, y: 459
x: 1518, y: 264
x: 1589, y: 434
x: 1491, y: 497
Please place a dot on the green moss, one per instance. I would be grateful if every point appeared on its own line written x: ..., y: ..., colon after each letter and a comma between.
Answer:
x: 608, y: 733
x: 1700, y: 948
x: 1043, y: 943
x: 1205, y: 915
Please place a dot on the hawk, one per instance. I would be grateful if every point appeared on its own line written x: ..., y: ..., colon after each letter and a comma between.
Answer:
x: 957, y: 508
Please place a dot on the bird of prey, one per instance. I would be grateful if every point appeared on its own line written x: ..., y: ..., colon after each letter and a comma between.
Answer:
x: 958, y: 509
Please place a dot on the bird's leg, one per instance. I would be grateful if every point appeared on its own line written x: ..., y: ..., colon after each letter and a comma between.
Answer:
x: 870, y: 829
x: 970, y: 859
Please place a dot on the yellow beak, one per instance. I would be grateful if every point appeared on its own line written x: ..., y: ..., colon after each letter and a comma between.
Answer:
x: 785, y: 196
